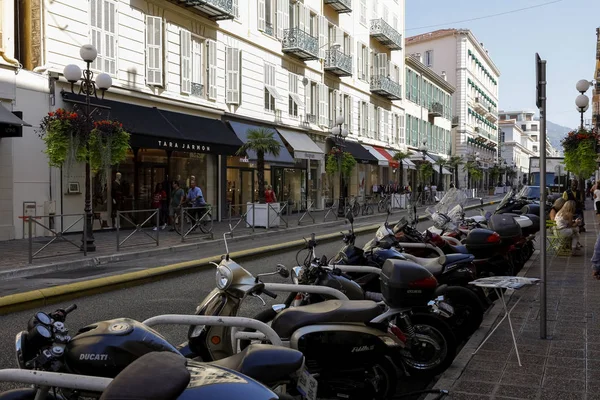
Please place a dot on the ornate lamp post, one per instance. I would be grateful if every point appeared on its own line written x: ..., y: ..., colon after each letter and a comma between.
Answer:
x: 89, y: 88
x: 339, y: 136
x: 582, y: 101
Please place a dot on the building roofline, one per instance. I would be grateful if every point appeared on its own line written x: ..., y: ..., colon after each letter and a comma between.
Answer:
x: 414, y: 63
x: 516, y: 112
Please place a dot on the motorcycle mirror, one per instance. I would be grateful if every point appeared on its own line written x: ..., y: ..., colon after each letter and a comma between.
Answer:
x: 350, y: 217
x: 283, y: 271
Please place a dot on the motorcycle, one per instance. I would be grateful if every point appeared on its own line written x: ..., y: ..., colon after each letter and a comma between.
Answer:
x: 106, y: 348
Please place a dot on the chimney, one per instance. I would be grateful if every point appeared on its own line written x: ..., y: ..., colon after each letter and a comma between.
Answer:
x: 444, y: 75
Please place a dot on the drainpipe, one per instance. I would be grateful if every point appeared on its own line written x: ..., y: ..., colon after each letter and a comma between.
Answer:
x: 10, y: 60
x: 26, y: 25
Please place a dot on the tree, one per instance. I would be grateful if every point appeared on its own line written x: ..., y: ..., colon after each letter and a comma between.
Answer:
x: 473, y: 171
x: 455, y: 162
x: 426, y: 172
x: 441, y: 162
x: 495, y: 173
x: 400, y: 157
x: 262, y: 142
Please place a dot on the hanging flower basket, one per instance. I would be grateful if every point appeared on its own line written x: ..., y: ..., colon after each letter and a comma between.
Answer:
x: 348, y: 162
x: 61, y: 132
x: 108, y: 145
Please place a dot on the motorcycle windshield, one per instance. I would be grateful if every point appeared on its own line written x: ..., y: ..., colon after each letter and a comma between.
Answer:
x: 506, y: 199
x: 382, y: 232
x: 448, y: 210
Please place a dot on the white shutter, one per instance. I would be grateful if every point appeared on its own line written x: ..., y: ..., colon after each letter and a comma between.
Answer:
x: 261, y: 15
x: 363, y: 12
x: 185, y: 39
x: 382, y: 64
x: 286, y: 15
x: 279, y: 18
x: 232, y: 66
x: 339, y: 38
x: 386, y: 14
x: 109, y: 45
x: 402, y: 135
x: 395, y: 21
x: 348, y: 104
x: 300, y: 16
x: 323, y: 36
x: 371, y: 119
x: 308, y: 22
x: 337, y: 104
x: 375, y: 10
x: 236, y: 8
x: 386, y: 125
x: 393, y: 129
x: 96, y: 31
x: 379, y: 122
x: 197, y: 62
x: 359, y: 60
x: 212, y: 69
x: 154, y: 59
x: 323, y: 104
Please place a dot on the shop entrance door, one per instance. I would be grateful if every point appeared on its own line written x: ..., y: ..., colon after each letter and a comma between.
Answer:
x: 247, y: 187
x: 149, y: 175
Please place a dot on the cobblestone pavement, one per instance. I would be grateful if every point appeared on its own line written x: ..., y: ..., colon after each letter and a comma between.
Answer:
x: 564, y: 366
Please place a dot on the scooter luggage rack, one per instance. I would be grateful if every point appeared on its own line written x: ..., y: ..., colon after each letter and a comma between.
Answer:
x: 358, y: 268
x: 45, y: 380
x: 266, y: 332
x: 422, y: 246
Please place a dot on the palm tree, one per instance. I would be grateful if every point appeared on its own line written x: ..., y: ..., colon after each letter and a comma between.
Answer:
x: 473, y: 171
x: 455, y: 162
x: 262, y: 142
x: 400, y: 156
x: 441, y: 162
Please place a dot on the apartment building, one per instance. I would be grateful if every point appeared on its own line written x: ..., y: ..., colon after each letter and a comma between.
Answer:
x: 428, y: 115
x: 516, y: 148
x: 470, y: 69
x: 190, y: 80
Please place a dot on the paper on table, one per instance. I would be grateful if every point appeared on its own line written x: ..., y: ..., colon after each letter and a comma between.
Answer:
x: 508, y: 282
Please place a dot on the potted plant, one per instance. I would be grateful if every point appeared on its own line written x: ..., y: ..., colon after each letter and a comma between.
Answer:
x: 60, y: 130
x: 262, y: 142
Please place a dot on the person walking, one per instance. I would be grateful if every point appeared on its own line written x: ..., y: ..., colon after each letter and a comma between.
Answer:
x: 158, y: 199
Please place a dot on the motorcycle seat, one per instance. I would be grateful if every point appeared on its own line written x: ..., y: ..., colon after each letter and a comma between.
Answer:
x: 436, y: 265
x: 154, y: 376
x: 264, y: 362
x: 292, y: 319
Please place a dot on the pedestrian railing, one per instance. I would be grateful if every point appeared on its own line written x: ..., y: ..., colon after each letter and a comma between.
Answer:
x: 149, y: 224
x: 58, y: 235
x: 238, y: 214
x: 194, y: 219
x: 307, y: 213
x: 277, y: 216
x: 332, y: 208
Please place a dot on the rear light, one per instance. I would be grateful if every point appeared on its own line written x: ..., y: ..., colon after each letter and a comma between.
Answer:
x: 494, y: 238
x: 398, y: 333
x: 428, y: 283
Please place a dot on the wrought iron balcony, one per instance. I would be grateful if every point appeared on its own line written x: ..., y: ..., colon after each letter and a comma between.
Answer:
x: 436, y: 109
x: 384, y: 86
x: 385, y: 34
x: 338, y: 63
x: 311, y: 118
x: 215, y: 9
x: 300, y: 44
x: 341, y: 6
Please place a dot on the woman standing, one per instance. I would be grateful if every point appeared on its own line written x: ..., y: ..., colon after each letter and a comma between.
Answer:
x: 270, y: 195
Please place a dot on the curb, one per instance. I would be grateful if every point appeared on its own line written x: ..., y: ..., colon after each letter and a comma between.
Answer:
x: 42, y: 297
x: 449, y: 378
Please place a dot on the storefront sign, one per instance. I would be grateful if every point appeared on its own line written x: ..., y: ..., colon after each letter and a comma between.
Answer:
x: 168, y: 144
x: 301, y: 155
x: 10, y: 131
x: 244, y: 159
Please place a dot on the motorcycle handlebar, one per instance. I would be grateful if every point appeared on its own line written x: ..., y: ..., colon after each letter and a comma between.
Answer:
x: 269, y: 293
x: 71, y: 308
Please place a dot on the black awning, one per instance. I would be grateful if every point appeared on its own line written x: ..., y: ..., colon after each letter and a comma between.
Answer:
x: 11, y: 123
x: 361, y: 154
x: 160, y: 129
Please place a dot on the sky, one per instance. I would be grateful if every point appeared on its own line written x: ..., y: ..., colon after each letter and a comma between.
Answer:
x: 563, y: 33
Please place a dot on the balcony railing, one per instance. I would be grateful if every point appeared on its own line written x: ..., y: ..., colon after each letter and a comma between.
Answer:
x: 300, y: 44
x: 341, y: 6
x: 311, y: 118
x: 455, y: 121
x: 215, y: 9
x: 385, y: 34
x: 384, y: 86
x: 479, y: 106
x: 491, y: 115
x: 436, y: 109
x: 338, y: 63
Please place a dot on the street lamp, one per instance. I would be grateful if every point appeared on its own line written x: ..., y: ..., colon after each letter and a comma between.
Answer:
x: 88, y: 88
x: 339, y: 136
x: 582, y: 102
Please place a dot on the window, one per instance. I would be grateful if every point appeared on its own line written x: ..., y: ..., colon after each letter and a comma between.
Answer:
x: 212, y: 69
x: 429, y: 58
x: 236, y: 8
x: 154, y: 56
x: 294, y: 100
x: 534, y: 128
x: 362, y: 56
x: 323, y: 105
x: 273, y: 17
x: 524, y: 127
x: 401, y: 134
x: 233, y: 61
x: 535, y: 149
x: 502, y: 137
x: 348, y: 106
x: 534, y: 137
x: 363, y: 12
x: 103, y: 33
x: 395, y: 21
x: 375, y: 10
x: 271, y: 94
x: 363, y: 118
x: 197, y: 67
x: 314, y: 100
x: 185, y: 47
x: 372, y: 118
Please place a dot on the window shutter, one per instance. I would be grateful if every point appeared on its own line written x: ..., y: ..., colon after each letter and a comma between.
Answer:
x: 349, y: 114
x: 154, y: 60
x: 382, y: 64
x: 212, y: 69
x: 386, y: 126
x: 261, y: 15
x: 308, y: 22
x: 300, y: 11
x: 236, y: 8
x: 402, y: 136
x: 232, y: 65
x: 371, y: 118
x: 375, y: 9
x: 363, y: 11
x: 359, y: 60
x: 395, y: 21
x: 279, y: 20
x: 185, y: 38
x: 367, y: 61
x: 286, y: 16
x: 323, y: 36
x: 96, y: 31
x: 339, y: 38
x: 337, y: 104
x: 323, y: 105
x: 109, y: 45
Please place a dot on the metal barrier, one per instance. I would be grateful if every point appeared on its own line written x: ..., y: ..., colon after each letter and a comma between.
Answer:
x: 242, y: 216
x: 333, y: 208
x: 308, y: 213
x: 154, y: 213
x: 283, y: 206
x: 58, y: 234
x: 189, y: 222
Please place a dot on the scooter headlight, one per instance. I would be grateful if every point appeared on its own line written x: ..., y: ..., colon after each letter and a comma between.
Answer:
x: 224, y: 277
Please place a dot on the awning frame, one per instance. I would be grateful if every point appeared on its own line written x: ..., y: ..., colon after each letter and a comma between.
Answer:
x: 381, y: 160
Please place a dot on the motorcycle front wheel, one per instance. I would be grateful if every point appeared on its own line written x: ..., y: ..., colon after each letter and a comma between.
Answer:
x: 468, y: 311
x: 432, y: 349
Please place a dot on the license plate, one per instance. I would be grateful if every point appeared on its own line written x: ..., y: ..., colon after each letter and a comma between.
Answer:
x: 446, y: 307
x: 307, y: 385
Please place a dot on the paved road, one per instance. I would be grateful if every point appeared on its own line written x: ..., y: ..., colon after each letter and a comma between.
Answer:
x: 170, y: 296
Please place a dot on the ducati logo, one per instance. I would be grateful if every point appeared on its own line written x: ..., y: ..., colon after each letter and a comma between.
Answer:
x: 93, y: 357
x: 362, y: 348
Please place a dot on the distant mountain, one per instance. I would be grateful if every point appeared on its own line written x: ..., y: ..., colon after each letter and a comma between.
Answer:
x: 556, y: 133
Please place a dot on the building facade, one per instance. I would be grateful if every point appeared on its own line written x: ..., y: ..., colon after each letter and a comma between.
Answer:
x: 516, y: 149
x: 596, y: 90
x: 531, y: 126
x: 191, y: 79
x: 428, y: 116
x: 468, y: 66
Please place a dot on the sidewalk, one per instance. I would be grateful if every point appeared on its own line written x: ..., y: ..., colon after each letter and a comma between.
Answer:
x: 565, y: 366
